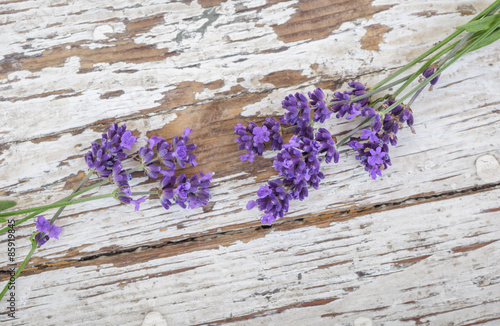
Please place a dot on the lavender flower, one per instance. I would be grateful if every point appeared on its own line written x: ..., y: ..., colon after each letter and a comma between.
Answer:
x: 254, y: 138
x: 146, y: 155
x: 298, y: 109
x: 120, y: 178
x: 186, y: 192
x: 182, y: 151
x: 429, y: 71
x: 273, y: 201
x: 374, y: 151
x: 327, y: 142
x: 274, y: 129
x: 321, y: 110
x: 352, y: 109
x: 103, y: 156
x: 44, y: 226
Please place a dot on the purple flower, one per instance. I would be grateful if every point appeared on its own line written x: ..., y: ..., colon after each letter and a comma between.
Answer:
x: 183, y: 150
x: 274, y: 128
x: 298, y: 109
x: 377, y: 156
x: 102, y: 156
x: 328, y: 147
x: 137, y: 202
x: 247, y: 156
x: 127, y: 140
x: 321, y: 110
x: 429, y: 72
x: 260, y: 135
x: 373, y: 157
x: 304, y: 130
x: 120, y: 178
x: 179, y: 152
x: 146, y: 154
x: 353, y: 109
x: 299, y: 165
x: 370, y: 135
x: 49, y: 231
x: 273, y: 201
x: 316, y: 96
x: 186, y: 192
x: 253, y: 138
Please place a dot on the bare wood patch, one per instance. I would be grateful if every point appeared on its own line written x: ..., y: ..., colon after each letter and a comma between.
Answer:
x: 374, y: 36
x: 316, y: 19
x: 112, y: 94
x: 284, y: 78
x: 210, y: 3
x: 472, y: 247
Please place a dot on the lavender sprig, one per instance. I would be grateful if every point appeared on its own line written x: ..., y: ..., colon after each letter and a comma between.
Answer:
x: 298, y: 162
x: 105, y: 160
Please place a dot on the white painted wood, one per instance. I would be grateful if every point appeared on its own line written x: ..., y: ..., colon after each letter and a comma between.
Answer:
x: 189, y: 64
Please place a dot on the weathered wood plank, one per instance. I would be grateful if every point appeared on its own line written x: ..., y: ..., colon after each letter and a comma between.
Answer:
x: 396, y: 267
x: 69, y: 69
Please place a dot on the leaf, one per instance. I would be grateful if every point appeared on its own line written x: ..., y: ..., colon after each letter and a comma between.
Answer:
x: 6, y: 204
x: 481, y: 24
x: 3, y: 220
x: 488, y: 40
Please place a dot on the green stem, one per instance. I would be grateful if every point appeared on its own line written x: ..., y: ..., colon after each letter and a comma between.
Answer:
x: 418, y: 59
x: 71, y: 202
x: 60, y: 204
x: 39, y: 211
x: 458, y: 55
x: 59, y: 211
x: 375, y: 91
x: 19, y: 270
x: 491, y: 9
x: 421, y: 69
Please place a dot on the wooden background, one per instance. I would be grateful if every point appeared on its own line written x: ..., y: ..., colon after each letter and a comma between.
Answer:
x: 419, y: 246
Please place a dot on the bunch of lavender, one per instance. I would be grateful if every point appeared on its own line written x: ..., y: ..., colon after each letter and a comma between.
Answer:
x: 159, y: 159
x: 298, y: 162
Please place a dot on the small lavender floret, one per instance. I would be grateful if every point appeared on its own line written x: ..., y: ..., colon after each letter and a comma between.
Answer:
x: 146, y: 155
x: 102, y: 156
x: 303, y: 129
x: 273, y: 201
x: 298, y: 109
x: 186, y: 192
x: 328, y: 147
x: 369, y: 134
x: 274, y: 128
x: 321, y: 110
x: 353, y: 109
x: 253, y: 138
x: 182, y: 150
x: 429, y: 72
x: 376, y: 156
x: 44, y: 226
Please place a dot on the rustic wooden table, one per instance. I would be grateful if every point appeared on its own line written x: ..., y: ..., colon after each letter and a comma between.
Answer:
x: 418, y: 246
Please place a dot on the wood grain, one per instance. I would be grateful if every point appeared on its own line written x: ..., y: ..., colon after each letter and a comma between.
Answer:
x: 413, y: 248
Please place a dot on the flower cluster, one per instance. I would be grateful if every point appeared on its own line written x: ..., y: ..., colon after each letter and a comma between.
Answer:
x: 298, y: 161
x: 186, y: 192
x: 158, y: 158
x: 373, y: 149
x: 254, y: 138
x: 103, y: 156
x: 50, y: 230
x: 351, y: 107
